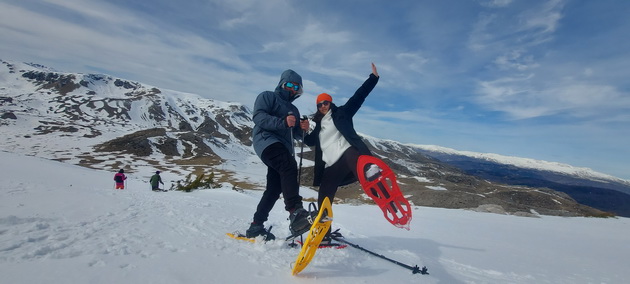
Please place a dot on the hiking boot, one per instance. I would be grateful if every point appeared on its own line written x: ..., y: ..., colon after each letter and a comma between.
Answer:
x: 336, y: 234
x: 256, y: 230
x: 328, y: 238
x: 300, y: 221
x: 326, y: 241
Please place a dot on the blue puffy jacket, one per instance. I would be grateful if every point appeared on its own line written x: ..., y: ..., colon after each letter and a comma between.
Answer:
x: 270, y: 112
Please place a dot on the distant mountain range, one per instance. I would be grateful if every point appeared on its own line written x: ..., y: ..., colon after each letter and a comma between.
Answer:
x: 584, y: 185
x: 103, y: 122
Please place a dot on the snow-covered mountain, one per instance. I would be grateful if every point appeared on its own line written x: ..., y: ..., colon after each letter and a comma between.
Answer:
x: 79, y: 117
x: 526, y: 163
x: 108, y: 123
x: 582, y: 184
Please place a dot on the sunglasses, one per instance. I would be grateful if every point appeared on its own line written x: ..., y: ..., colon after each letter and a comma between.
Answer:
x: 324, y: 103
x: 293, y: 86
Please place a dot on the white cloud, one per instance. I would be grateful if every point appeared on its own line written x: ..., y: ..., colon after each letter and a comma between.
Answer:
x: 528, y: 83
x: 588, y: 72
x: 515, y: 60
x: 520, y: 99
x: 496, y: 3
x: 126, y: 44
x: 97, y: 11
x: 237, y: 22
x: 516, y: 57
x: 515, y: 29
x: 413, y: 61
x: 546, y: 18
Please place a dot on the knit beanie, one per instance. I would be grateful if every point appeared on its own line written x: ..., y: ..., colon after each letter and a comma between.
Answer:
x: 323, y: 97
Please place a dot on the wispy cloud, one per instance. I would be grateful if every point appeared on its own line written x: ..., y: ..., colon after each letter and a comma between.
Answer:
x: 515, y: 60
x: 519, y: 98
x: 496, y: 3
x: 492, y: 73
x: 521, y: 87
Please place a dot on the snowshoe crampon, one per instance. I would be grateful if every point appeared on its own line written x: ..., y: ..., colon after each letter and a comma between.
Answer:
x: 379, y: 183
x: 318, y: 230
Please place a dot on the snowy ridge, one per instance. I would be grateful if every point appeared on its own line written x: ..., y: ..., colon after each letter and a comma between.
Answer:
x: 527, y: 163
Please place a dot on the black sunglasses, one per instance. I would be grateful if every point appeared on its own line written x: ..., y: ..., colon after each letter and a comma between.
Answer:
x: 324, y: 103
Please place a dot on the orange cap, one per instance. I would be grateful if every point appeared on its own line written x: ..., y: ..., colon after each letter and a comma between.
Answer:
x: 323, y: 97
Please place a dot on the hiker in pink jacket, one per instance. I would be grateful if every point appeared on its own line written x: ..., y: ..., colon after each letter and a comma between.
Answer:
x: 120, y: 178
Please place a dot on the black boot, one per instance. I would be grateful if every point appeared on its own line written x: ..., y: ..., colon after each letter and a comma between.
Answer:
x: 256, y: 230
x: 299, y: 221
x: 328, y: 238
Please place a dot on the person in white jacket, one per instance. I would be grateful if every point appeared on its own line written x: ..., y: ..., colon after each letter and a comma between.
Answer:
x: 337, y: 144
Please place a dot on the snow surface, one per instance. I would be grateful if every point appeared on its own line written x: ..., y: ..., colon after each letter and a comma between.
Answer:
x: 61, y: 223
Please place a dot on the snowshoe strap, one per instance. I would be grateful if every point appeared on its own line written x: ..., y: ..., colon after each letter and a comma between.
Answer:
x: 312, y: 207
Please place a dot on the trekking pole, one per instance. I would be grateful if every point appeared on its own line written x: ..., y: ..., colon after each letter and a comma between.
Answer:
x: 414, y: 269
x: 292, y: 142
x: 304, y: 117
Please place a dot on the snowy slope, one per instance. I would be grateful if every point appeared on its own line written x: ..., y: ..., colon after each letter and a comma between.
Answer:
x: 61, y: 223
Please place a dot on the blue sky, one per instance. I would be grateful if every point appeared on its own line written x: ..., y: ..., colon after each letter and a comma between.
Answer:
x: 537, y: 79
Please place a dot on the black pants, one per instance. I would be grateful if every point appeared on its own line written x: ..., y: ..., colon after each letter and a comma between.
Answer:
x: 281, y: 178
x: 334, y: 175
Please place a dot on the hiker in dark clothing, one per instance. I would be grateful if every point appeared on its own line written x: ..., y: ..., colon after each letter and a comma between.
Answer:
x: 155, y: 181
x: 275, y: 126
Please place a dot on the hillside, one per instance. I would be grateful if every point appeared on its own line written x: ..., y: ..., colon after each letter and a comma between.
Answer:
x: 108, y: 123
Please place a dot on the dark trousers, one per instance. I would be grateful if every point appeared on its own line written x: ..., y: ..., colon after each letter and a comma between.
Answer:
x: 334, y: 175
x: 281, y: 178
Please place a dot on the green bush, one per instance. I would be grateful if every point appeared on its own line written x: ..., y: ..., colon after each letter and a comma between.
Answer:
x: 198, y: 183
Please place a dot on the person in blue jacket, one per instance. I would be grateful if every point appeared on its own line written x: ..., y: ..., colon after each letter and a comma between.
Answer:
x: 337, y: 144
x: 275, y: 127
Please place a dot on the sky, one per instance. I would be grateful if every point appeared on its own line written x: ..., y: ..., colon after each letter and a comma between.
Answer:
x: 67, y: 224
x: 536, y: 79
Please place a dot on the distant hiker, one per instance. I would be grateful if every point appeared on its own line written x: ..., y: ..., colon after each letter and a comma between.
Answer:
x: 155, y: 181
x: 274, y: 129
x: 120, y: 178
x: 337, y: 144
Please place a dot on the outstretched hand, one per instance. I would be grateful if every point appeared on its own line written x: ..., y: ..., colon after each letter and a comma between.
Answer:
x: 374, y: 70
